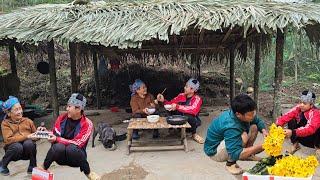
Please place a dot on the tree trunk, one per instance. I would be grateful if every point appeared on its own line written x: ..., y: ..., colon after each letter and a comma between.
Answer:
x: 295, y: 70
x: 96, y: 77
x: 53, y: 79
x: 278, y: 74
x: 296, y: 62
x: 13, y: 59
x: 257, y: 70
x: 231, y: 69
x: 73, y: 64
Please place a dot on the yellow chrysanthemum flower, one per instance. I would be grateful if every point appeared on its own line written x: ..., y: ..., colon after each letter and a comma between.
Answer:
x: 273, y: 142
x: 293, y: 166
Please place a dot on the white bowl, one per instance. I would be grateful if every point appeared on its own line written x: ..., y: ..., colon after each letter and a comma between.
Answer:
x: 168, y: 107
x: 151, y: 110
x: 153, y: 118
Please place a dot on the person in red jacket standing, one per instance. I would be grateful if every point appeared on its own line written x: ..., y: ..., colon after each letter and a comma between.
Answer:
x: 303, y: 123
x: 188, y: 104
x: 70, y: 136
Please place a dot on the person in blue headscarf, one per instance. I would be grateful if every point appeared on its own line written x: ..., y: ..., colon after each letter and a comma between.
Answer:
x: 17, y: 136
x: 141, y: 102
x: 2, y: 114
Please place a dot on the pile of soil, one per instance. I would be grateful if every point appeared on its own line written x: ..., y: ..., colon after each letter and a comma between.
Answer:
x: 130, y: 172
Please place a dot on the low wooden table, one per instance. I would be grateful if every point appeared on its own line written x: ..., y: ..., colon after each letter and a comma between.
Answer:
x: 142, y: 123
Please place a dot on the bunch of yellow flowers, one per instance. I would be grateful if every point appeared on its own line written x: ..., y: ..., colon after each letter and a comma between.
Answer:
x: 293, y: 166
x: 273, y: 142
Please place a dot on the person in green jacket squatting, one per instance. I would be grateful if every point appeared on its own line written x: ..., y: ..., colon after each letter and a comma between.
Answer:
x: 238, y: 127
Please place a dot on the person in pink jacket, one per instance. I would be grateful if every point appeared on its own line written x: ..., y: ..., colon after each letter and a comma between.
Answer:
x: 303, y: 123
x: 188, y: 104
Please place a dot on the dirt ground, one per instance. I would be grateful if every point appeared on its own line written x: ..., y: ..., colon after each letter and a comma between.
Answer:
x: 116, y: 165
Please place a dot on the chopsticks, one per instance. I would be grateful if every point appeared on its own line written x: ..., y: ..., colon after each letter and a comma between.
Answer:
x: 156, y: 101
x: 164, y: 91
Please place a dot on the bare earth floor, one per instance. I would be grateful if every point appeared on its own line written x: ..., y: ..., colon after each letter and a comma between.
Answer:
x: 193, y: 165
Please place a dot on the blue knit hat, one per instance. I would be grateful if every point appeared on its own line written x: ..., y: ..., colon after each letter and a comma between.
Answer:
x: 135, y: 86
x: 194, y: 84
x: 8, y: 104
x: 308, y: 98
x: 77, y: 100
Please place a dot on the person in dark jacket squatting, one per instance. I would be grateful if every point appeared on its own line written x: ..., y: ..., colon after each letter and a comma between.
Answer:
x: 70, y: 136
x: 238, y: 127
x: 303, y: 124
x: 188, y: 104
x: 17, y: 136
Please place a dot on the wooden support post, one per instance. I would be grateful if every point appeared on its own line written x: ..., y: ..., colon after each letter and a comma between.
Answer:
x: 278, y: 74
x: 53, y: 79
x: 198, y: 67
x: 13, y: 59
x: 232, y: 74
x: 195, y: 61
x: 184, y: 139
x: 73, y: 65
x: 129, y: 140
x: 96, y: 77
x: 257, y: 69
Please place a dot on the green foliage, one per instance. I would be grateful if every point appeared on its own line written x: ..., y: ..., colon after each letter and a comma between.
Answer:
x: 314, y: 77
x: 3, y: 71
x: 301, y: 53
x: 298, y: 52
x: 245, y: 70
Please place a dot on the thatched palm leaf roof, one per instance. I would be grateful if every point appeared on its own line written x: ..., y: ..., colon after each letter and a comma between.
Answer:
x: 126, y: 24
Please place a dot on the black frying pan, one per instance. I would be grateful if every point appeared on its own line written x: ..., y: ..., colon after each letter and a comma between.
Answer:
x: 177, y: 120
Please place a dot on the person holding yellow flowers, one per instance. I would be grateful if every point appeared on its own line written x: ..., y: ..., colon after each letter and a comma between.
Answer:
x: 303, y: 124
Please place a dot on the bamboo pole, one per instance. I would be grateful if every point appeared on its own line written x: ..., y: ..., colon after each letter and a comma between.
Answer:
x: 13, y: 59
x: 257, y: 70
x: 53, y: 79
x: 278, y: 74
x: 232, y: 72
x: 96, y: 76
x: 73, y: 64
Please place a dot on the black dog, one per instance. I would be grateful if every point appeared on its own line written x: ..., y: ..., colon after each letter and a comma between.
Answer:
x: 107, y: 135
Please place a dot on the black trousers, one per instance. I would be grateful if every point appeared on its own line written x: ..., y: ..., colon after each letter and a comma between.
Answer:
x: 194, y: 123
x: 69, y: 155
x: 20, y: 151
x: 311, y: 141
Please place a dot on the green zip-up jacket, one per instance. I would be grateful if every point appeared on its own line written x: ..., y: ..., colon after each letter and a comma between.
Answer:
x: 229, y: 128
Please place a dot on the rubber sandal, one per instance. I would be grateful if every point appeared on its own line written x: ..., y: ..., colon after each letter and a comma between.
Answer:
x: 198, y: 138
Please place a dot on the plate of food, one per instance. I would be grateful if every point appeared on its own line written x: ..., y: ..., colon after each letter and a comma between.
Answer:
x: 41, y: 134
x: 153, y: 118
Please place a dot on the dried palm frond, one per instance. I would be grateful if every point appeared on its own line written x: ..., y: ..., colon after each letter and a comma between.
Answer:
x: 126, y: 24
